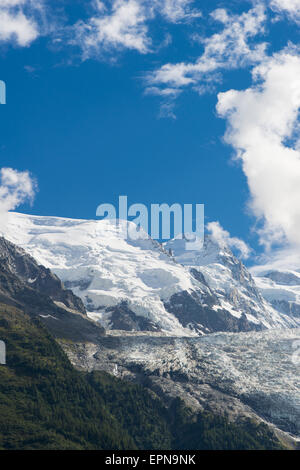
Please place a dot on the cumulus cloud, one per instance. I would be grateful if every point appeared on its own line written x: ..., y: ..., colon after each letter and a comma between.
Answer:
x: 263, y: 128
x: 19, y: 22
x: 223, y: 238
x: 16, y: 187
x: 228, y: 49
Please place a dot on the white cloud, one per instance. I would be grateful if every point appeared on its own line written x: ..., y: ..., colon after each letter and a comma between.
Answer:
x: 123, y: 26
x: 291, y: 7
x: 223, y: 238
x: 16, y: 187
x: 113, y: 24
x: 168, y: 96
x: 176, y: 10
x: 262, y: 127
x: 16, y: 25
x: 284, y: 258
x: 165, y: 92
x: 18, y: 22
x: 11, y: 3
x: 231, y: 48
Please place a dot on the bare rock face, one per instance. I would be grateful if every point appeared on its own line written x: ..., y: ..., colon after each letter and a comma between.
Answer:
x: 41, y: 279
x: 200, y: 314
x: 40, y: 293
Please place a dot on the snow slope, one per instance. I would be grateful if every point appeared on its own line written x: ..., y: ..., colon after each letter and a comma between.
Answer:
x: 137, y: 285
x: 281, y: 289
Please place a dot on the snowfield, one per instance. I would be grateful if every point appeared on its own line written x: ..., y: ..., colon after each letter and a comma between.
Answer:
x: 281, y: 289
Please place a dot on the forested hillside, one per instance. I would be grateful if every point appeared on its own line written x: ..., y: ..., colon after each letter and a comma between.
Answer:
x: 46, y: 404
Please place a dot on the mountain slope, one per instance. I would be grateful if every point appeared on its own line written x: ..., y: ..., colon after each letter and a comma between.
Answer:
x: 232, y: 283
x: 252, y: 374
x: 46, y: 404
x: 38, y: 383
x: 281, y: 289
x: 137, y: 285
x: 37, y: 291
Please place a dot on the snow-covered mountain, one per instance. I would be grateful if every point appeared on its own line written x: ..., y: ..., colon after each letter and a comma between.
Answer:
x: 281, y: 289
x: 39, y: 293
x: 138, y: 285
x: 231, y: 282
x: 165, y: 297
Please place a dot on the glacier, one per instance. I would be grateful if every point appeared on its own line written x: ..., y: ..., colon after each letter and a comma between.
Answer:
x: 244, y: 375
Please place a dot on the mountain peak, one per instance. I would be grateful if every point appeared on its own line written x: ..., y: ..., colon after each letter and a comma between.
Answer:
x: 213, y: 251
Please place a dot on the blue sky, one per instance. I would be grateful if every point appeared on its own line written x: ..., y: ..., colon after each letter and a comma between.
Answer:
x: 122, y: 97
